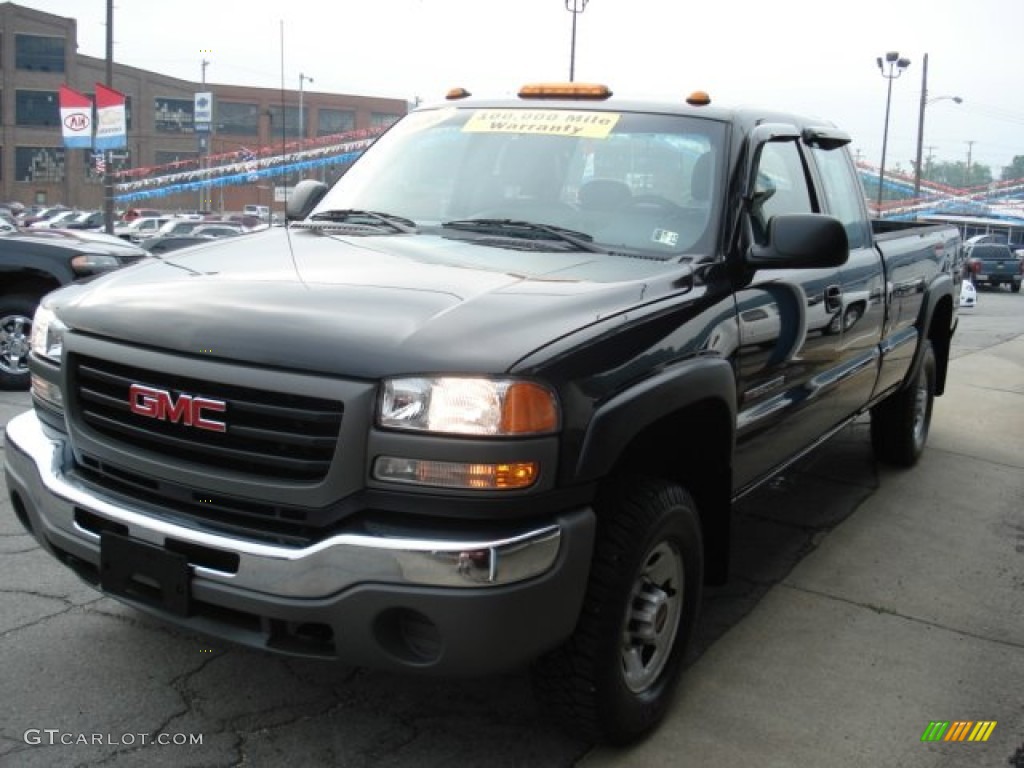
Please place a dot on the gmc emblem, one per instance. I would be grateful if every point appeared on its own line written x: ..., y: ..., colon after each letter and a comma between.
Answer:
x: 187, y: 409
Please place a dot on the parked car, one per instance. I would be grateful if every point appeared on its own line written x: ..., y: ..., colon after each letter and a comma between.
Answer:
x: 134, y: 213
x: 178, y: 226
x: 141, y: 227
x: 85, y: 220
x: 995, y: 264
x: 59, y: 219
x: 218, y: 230
x: 32, y: 265
x: 30, y: 217
x: 167, y: 243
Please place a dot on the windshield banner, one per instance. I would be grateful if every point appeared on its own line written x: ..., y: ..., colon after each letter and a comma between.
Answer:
x: 548, y: 122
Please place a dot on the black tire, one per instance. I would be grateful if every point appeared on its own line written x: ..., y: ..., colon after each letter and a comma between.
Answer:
x: 15, y: 335
x: 1015, y: 287
x: 900, y: 423
x: 613, y: 680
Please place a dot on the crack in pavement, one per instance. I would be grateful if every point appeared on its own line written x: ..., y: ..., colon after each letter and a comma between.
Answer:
x: 889, y: 612
x: 982, y: 459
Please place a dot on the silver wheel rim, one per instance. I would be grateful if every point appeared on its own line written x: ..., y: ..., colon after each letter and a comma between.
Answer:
x: 652, y: 617
x: 15, y: 342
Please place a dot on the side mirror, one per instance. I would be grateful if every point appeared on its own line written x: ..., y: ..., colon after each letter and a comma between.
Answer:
x: 800, y: 241
x: 303, y: 199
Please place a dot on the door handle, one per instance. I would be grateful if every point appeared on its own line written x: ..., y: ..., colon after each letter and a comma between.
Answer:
x: 833, y: 298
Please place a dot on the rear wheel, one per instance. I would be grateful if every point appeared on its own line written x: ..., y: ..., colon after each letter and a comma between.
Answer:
x: 900, y: 423
x: 15, y: 339
x: 613, y: 679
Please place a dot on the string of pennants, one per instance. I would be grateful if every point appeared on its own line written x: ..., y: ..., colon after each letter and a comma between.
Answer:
x: 245, y: 169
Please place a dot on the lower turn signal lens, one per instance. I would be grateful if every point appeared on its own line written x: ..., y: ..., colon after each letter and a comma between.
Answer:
x: 453, y: 474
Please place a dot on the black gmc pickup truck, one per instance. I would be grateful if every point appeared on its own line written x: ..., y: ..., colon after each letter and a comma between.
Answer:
x: 487, y: 401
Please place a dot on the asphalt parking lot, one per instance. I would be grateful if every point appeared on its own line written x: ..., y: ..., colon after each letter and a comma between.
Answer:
x: 865, y: 604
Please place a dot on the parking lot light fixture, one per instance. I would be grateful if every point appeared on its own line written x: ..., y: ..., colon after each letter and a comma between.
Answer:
x: 575, y: 7
x: 891, y: 67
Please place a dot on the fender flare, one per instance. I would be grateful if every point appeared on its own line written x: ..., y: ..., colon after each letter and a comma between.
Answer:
x: 941, y: 287
x: 621, y: 418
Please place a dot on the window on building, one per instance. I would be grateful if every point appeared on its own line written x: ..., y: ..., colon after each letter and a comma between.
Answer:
x: 174, y: 115
x: 331, y: 121
x: 238, y: 119
x: 289, y: 126
x: 382, y: 119
x: 38, y: 53
x: 39, y: 164
x: 36, y: 108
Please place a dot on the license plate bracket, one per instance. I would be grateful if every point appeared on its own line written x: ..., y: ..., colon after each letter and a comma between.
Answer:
x: 145, y: 573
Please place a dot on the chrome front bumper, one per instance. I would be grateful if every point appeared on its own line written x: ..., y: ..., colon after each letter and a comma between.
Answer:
x: 34, y: 460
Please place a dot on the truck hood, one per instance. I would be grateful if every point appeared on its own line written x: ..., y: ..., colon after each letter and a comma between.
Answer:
x: 365, y: 306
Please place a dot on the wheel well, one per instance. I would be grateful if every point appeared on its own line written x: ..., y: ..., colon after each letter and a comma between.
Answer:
x: 692, y: 447
x: 31, y: 285
x: 940, y: 333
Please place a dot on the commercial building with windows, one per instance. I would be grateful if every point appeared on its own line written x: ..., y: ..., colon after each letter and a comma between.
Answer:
x: 38, y: 53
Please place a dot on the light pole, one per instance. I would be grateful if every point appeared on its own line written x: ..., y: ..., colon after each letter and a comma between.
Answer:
x: 896, y: 66
x: 967, y: 173
x: 575, y: 7
x: 302, y: 119
x: 925, y: 101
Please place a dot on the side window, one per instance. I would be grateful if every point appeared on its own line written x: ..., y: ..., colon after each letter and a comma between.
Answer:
x: 844, y: 194
x: 781, y: 185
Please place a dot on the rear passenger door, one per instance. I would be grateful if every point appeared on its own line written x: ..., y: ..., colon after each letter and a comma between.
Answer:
x: 862, y: 278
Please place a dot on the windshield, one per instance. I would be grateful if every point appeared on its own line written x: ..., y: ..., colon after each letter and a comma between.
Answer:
x: 638, y: 182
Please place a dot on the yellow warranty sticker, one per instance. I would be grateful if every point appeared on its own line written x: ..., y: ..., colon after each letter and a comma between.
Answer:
x: 549, y: 122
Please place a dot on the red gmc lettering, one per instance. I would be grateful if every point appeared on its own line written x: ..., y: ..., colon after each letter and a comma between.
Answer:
x: 188, y: 410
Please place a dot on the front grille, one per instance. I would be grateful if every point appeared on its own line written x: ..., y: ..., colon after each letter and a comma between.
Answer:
x: 269, y: 435
x: 228, y: 515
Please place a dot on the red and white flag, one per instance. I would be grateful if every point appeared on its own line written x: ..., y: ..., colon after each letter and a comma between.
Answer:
x: 111, y: 123
x: 75, y: 118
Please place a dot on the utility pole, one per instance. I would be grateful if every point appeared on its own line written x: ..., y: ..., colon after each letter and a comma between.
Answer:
x: 108, y: 183
x: 920, y: 128
x: 203, y: 142
x: 302, y: 114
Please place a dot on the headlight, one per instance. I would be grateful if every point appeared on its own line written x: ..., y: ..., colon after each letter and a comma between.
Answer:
x: 468, y: 406
x: 47, y: 334
x: 87, y: 263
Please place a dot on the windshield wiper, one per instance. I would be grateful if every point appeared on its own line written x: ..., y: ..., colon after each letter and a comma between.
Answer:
x: 527, y: 229
x: 372, y: 218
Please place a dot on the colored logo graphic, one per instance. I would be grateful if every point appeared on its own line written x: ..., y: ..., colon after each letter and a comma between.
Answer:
x: 958, y: 730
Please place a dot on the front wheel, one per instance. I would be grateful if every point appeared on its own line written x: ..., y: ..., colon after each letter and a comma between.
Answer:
x: 613, y: 679
x: 15, y: 339
x: 900, y: 423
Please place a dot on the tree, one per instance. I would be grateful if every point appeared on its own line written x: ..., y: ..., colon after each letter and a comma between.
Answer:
x: 1014, y: 170
x: 956, y: 174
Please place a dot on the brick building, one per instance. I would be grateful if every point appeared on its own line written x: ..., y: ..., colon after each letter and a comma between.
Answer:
x: 38, y: 53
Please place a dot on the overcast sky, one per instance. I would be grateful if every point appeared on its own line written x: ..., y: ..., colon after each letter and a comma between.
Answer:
x: 812, y: 57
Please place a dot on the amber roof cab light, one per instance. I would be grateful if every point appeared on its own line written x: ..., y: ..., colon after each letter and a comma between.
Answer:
x: 698, y: 99
x: 565, y: 91
x: 457, y: 93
